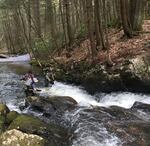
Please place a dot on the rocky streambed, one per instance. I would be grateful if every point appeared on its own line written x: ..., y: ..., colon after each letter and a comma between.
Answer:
x: 96, y: 125
x: 67, y: 115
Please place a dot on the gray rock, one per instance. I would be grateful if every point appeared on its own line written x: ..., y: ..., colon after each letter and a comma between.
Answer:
x: 17, y: 138
x: 48, y: 105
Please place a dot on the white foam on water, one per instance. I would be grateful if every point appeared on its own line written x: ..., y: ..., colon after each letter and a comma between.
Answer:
x: 125, y: 99
x: 122, y: 99
x: 13, y: 107
x: 91, y: 141
x: 77, y: 93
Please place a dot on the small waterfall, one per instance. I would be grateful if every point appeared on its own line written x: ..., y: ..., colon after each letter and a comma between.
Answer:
x: 122, y: 99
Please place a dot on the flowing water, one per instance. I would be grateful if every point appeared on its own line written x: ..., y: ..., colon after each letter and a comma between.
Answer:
x: 87, y: 127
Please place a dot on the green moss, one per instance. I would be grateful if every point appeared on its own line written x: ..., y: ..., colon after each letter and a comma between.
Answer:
x: 28, y: 124
x: 2, y: 123
x: 51, y: 132
x: 11, y: 116
x: 42, y: 62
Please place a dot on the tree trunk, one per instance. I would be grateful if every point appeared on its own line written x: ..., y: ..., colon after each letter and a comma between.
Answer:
x: 37, y: 19
x: 68, y: 21
x: 90, y: 27
x: 125, y: 16
x: 136, y: 14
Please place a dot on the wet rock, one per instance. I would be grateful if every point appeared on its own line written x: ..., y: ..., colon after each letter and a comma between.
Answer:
x: 140, y: 131
x: 17, y: 138
x: 98, y: 79
x: 123, y: 123
x: 3, y: 109
x: 131, y: 132
x: 48, y: 105
x: 55, y: 134
x: 121, y: 113
x: 140, y: 105
x: 142, y: 110
x: 127, y: 125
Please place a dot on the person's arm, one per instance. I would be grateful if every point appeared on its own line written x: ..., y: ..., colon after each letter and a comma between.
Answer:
x: 24, y: 77
x: 47, y: 77
x: 53, y: 78
x: 32, y: 77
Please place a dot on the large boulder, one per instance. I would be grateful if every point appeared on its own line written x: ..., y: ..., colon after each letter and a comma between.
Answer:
x: 55, y: 134
x: 17, y: 138
x: 135, y: 74
x: 11, y: 116
x: 48, y: 105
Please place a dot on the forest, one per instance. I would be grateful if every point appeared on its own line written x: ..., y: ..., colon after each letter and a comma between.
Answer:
x: 75, y: 73
x: 47, y: 27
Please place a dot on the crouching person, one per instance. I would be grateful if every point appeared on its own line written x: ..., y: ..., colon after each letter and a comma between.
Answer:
x: 30, y: 81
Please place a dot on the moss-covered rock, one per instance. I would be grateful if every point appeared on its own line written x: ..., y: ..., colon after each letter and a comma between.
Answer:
x: 29, y: 124
x: 3, y: 109
x: 2, y: 124
x: 17, y: 138
x: 11, y: 116
x: 56, y: 135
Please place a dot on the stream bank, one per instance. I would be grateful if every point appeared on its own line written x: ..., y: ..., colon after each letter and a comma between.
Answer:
x: 131, y: 75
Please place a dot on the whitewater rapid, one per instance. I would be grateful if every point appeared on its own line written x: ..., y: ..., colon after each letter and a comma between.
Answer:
x: 122, y: 99
x: 88, y: 130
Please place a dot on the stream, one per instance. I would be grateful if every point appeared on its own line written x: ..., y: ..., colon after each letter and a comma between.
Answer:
x: 88, y: 128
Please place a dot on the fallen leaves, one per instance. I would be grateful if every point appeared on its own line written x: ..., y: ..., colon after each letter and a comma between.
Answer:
x: 119, y: 49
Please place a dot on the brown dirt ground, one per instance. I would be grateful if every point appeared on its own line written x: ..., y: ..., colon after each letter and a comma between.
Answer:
x: 120, y: 49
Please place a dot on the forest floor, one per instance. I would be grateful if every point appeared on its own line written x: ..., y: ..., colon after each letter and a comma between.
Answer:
x: 120, y: 48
